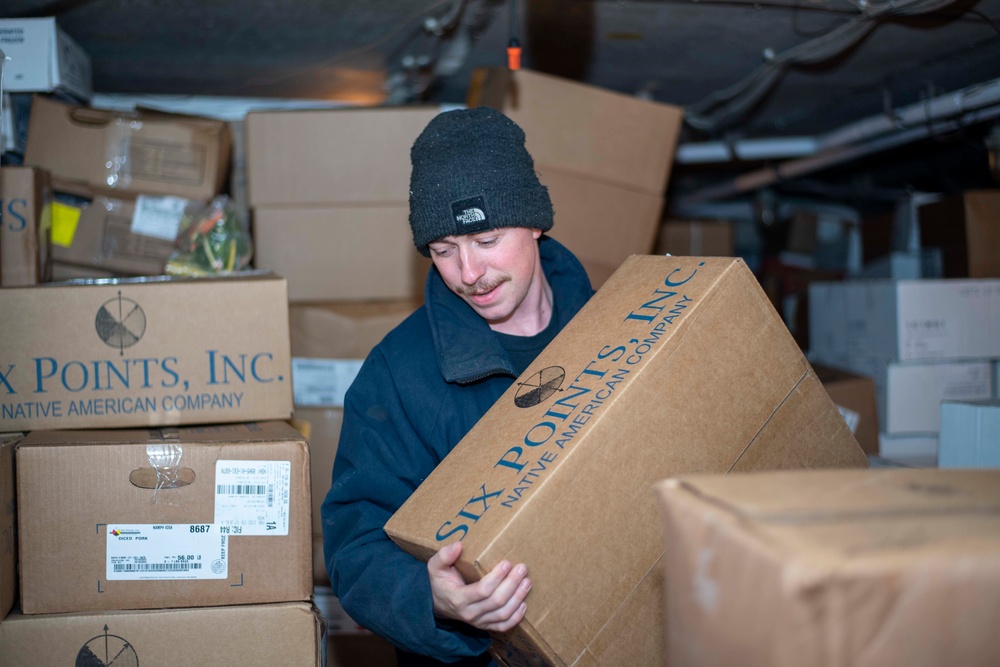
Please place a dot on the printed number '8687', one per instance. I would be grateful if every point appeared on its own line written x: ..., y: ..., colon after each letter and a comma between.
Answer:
x: 199, y: 528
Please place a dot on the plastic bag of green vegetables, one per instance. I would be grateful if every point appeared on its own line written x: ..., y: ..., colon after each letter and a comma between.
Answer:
x: 211, y: 241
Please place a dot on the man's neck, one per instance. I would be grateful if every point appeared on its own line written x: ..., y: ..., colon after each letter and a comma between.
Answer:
x: 534, y: 313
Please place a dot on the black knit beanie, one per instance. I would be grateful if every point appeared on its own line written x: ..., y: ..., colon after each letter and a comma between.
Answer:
x: 472, y: 173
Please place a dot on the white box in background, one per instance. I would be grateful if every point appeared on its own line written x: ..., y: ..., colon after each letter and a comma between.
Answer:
x: 919, y: 451
x: 44, y: 59
x: 905, y: 320
x: 970, y: 434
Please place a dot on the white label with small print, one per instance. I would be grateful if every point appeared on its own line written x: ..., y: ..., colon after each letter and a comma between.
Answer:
x: 166, y: 551
x: 252, y: 497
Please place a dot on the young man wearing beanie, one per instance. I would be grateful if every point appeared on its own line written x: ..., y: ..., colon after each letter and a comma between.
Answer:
x: 499, y: 292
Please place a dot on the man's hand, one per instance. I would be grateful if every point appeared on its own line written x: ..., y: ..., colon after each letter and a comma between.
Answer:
x: 494, y: 603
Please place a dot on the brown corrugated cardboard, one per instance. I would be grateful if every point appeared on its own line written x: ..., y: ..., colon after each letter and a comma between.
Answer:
x: 887, y: 567
x: 854, y: 396
x: 340, y: 253
x: 125, y: 153
x: 711, y: 238
x: 8, y: 524
x: 583, y: 130
x: 229, y: 523
x: 273, y: 634
x: 25, y: 221
x: 95, y: 230
x: 322, y: 429
x: 677, y: 364
x: 145, y: 353
x: 584, y: 209
x: 966, y: 228
x: 342, y: 156
x: 59, y: 272
x: 344, y: 330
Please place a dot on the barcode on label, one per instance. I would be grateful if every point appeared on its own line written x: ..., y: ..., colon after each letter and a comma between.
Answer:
x: 241, y: 489
x: 156, y: 567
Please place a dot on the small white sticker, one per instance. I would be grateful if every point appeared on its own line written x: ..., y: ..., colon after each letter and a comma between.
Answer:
x: 851, y: 417
x: 159, y: 217
x: 166, y: 551
x: 322, y: 382
x: 252, y: 497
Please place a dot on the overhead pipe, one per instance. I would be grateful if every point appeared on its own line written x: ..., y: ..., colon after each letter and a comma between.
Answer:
x: 879, y: 133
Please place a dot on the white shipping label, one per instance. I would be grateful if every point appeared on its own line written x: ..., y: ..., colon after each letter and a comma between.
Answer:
x: 851, y: 417
x: 166, y: 551
x: 159, y: 217
x: 322, y: 382
x: 252, y: 497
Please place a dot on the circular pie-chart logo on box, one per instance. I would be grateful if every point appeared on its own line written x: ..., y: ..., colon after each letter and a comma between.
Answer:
x: 120, y: 322
x: 107, y: 650
x: 539, y: 387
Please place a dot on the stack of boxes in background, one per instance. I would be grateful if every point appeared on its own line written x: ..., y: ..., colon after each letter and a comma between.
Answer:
x: 923, y: 341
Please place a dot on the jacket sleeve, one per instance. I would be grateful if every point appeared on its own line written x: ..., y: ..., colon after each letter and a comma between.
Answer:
x: 380, y: 461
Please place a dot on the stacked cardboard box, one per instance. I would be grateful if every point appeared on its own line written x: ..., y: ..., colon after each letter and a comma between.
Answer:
x: 922, y: 341
x: 123, y: 180
x: 25, y: 223
x: 677, y: 364
x: 329, y: 191
x: 199, y: 507
x: 888, y: 567
x: 965, y: 228
x: 970, y: 434
x: 8, y: 524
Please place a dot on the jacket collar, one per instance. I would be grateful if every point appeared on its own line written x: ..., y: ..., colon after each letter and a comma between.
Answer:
x: 466, y: 348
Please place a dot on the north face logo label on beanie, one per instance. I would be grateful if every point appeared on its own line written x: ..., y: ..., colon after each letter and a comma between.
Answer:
x: 470, y: 214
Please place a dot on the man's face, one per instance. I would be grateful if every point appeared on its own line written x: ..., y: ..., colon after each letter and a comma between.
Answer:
x: 491, y: 271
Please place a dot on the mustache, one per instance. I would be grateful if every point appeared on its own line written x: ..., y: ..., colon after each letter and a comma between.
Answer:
x: 482, y: 286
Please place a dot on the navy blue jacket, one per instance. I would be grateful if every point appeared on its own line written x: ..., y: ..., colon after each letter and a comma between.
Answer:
x: 417, y: 394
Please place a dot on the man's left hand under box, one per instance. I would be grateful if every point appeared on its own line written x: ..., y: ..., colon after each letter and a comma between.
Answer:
x: 145, y: 352
x: 152, y: 519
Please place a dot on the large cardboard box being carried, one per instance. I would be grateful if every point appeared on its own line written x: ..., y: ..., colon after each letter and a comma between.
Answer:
x: 889, y: 567
x: 273, y: 634
x: 144, y: 352
x: 140, y: 519
x: 129, y: 153
x: 25, y: 222
x: 677, y: 364
x: 8, y: 524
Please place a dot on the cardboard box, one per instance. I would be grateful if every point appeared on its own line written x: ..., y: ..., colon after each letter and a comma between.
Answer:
x: 145, y: 352
x: 711, y: 238
x: 583, y: 130
x: 338, y: 253
x: 8, y: 524
x: 61, y: 272
x: 43, y: 58
x: 321, y: 428
x: 584, y: 209
x: 272, y: 634
x: 855, y: 398
x: 909, y: 395
x: 970, y: 434
x: 140, y: 519
x: 25, y: 222
x: 344, y: 330
x: 905, y: 320
x: 103, y: 232
x: 129, y: 152
x: 966, y: 228
x: 917, y: 451
x: 332, y: 156
x: 889, y: 567
x: 677, y: 364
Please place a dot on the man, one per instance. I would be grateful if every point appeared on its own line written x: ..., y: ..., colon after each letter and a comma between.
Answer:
x: 498, y: 293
